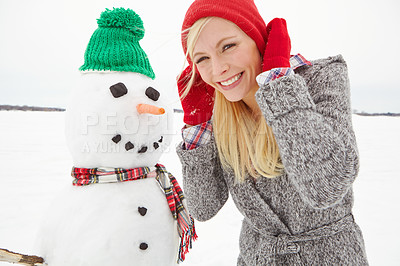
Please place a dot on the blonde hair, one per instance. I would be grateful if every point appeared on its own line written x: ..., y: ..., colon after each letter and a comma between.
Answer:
x: 245, y: 144
x: 192, y: 34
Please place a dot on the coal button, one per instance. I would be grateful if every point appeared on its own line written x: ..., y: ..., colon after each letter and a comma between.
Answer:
x: 143, y: 246
x: 142, y: 211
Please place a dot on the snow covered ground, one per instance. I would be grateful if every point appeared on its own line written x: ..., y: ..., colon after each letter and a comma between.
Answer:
x: 35, y: 164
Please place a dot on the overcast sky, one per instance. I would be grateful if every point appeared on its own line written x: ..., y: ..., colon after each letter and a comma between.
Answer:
x: 43, y: 43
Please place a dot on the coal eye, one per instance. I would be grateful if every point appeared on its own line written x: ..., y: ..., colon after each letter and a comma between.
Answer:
x: 118, y: 90
x: 152, y: 93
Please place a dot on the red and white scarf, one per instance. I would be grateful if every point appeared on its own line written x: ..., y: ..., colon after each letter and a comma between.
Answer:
x: 167, y: 182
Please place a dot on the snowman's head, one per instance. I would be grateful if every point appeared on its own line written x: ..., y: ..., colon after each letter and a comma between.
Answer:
x: 117, y: 119
x: 118, y: 116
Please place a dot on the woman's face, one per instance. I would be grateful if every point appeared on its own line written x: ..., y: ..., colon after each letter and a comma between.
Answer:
x: 227, y: 59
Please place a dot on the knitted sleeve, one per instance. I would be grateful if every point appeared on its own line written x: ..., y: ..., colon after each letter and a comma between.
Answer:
x: 310, y: 116
x: 203, y: 182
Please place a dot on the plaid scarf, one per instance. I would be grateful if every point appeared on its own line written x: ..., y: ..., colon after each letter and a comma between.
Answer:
x: 167, y: 182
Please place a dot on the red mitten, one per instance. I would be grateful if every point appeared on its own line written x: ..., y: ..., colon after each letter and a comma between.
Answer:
x: 277, y: 50
x: 199, y: 102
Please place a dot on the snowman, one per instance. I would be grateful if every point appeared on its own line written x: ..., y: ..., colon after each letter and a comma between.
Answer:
x: 123, y: 207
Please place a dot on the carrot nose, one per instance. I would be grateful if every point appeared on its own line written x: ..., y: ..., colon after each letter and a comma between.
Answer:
x: 149, y: 109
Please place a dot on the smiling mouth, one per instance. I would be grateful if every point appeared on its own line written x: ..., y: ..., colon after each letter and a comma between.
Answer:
x: 231, y: 81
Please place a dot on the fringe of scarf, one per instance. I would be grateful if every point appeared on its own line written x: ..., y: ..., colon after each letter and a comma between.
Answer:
x: 167, y: 182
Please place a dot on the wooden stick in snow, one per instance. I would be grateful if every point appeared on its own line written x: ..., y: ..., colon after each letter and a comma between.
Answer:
x: 12, y: 257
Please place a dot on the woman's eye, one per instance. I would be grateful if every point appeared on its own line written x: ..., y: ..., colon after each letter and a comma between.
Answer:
x: 201, y: 59
x: 226, y: 47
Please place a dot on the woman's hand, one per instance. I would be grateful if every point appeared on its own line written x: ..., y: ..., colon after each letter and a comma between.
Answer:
x: 277, y: 50
x: 199, y: 102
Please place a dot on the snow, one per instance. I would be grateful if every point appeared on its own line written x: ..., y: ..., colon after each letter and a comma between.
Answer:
x: 35, y: 165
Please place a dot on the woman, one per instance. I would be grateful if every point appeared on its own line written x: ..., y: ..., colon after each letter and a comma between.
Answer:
x: 272, y: 130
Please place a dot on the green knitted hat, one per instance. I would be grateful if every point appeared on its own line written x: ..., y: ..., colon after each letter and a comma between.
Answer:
x: 114, y: 45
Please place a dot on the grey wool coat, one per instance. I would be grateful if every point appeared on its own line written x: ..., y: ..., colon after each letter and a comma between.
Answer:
x: 304, y: 216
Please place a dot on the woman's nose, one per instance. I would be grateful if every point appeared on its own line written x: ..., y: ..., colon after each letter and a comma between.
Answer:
x: 149, y: 109
x: 219, y: 66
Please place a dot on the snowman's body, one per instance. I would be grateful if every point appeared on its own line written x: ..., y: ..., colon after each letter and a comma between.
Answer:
x: 124, y: 223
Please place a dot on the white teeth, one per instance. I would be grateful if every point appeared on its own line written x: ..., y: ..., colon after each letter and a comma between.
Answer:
x: 232, y: 80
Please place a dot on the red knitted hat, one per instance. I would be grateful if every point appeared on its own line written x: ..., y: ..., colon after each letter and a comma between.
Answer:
x: 243, y: 13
